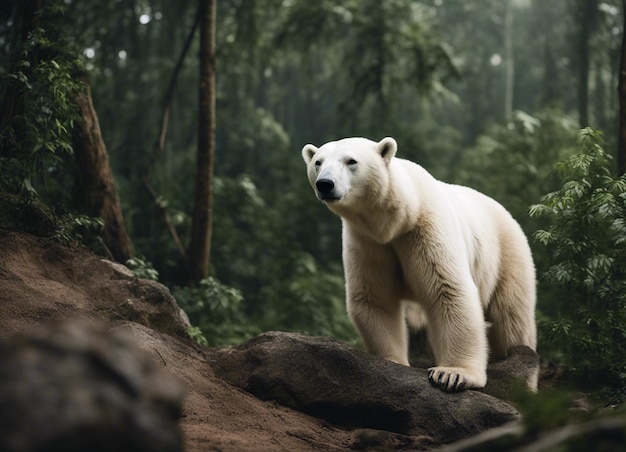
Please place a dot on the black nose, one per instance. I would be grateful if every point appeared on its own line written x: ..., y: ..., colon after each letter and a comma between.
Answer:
x: 324, y: 185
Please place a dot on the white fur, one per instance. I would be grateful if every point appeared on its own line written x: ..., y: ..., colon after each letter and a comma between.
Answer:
x: 457, y: 255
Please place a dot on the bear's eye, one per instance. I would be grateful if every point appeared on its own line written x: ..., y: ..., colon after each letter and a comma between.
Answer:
x: 318, y: 163
x: 351, y: 162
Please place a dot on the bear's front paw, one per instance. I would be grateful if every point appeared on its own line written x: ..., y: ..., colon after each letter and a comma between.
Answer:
x: 454, y: 379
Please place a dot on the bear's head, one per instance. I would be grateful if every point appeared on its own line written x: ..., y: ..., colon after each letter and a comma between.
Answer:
x: 350, y: 173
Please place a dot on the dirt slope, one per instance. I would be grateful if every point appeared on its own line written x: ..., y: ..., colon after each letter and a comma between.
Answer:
x: 42, y: 281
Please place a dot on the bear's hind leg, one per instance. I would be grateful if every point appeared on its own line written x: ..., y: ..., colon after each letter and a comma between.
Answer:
x: 511, y: 312
x: 511, y: 309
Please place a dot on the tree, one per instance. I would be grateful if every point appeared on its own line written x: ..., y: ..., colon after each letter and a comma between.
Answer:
x: 47, y: 114
x: 509, y: 62
x: 621, y: 153
x: 96, y: 194
x: 200, y: 245
x: 586, y: 14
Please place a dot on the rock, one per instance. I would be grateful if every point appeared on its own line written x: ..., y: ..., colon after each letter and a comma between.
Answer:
x: 75, y: 387
x: 327, y: 379
x: 518, y: 372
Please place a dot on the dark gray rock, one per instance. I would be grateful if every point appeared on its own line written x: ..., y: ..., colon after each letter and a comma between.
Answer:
x: 76, y: 387
x: 518, y: 372
x: 329, y: 380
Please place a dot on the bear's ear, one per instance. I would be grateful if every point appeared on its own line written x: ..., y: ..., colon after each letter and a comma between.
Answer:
x: 387, y: 148
x: 308, y: 152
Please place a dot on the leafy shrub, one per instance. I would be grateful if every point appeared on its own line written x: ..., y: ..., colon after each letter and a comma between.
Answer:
x: 39, y: 134
x: 142, y: 269
x: 313, y: 301
x: 587, y: 239
x: 513, y: 162
x: 195, y: 333
x: 258, y: 248
x: 79, y: 228
x: 216, y: 310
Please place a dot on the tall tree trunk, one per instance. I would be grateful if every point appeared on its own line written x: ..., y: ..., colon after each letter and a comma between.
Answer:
x: 11, y: 97
x: 509, y: 62
x: 160, y: 142
x: 95, y: 186
x: 200, y: 245
x: 621, y: 152
x: 586, y: 10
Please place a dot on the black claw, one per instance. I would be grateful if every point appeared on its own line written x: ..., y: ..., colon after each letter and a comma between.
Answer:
x: 454, y: 381
x: 448, y: 382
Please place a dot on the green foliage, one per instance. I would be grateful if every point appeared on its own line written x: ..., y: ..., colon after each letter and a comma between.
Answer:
x: 195, y: 333
x: 587, y: 239
x: 216, y: 310
x: 313, y: 301
x: 379, y: 53
x: 142, y: 269
x: 513, y: 162
x: 84, y: 229
x: 261, y: 250
x: 546, y: 411
x: 39, y: 134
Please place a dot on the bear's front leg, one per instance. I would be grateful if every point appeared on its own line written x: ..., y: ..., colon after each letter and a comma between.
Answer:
x: 458, y: 337
x: 382, y: 328
x: 373, y: 288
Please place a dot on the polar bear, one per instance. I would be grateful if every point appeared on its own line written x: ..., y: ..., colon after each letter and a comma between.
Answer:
x: 456, y: 256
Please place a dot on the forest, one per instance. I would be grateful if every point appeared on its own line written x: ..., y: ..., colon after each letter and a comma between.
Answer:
x: 110, y: 112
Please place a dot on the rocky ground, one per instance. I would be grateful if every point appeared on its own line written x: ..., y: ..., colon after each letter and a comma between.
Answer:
x: 277, y: 392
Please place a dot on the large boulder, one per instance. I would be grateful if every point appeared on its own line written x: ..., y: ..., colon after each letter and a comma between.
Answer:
x: 329, y: 380
x: 76, y: 386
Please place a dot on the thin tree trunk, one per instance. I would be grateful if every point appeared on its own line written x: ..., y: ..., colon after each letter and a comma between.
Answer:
x: 95, y: 186
x: 509, y: 61
x: 169, y: 97
x: 11, y: 101
x: 200, y: 245
x: 160, y: 142
x: 586, y: 17
x: 621, y: 153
